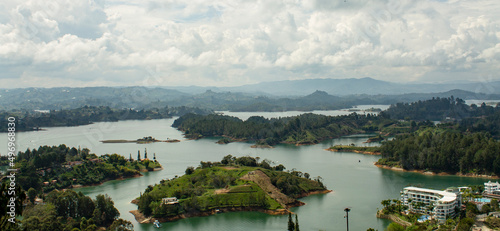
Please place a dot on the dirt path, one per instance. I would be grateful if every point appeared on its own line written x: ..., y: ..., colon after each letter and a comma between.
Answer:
x: 264, y: 182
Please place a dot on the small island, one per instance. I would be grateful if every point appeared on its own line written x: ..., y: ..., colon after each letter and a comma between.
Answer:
x: 144, y: 140
x: 355, y: 149
x: 233, y: 184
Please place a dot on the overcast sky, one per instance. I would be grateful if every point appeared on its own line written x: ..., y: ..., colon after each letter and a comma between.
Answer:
x: 234, y: 42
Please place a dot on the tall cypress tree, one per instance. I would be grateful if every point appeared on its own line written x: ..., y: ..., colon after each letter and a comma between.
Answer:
x: 291, y: 225
x: 297, y: 223
x: 138, y: 155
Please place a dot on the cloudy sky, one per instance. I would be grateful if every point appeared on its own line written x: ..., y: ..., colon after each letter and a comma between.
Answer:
x: 235, y: 42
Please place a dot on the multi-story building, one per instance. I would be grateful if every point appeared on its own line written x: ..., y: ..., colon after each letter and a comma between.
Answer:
x: 440, y: 204
x: 492, y: 188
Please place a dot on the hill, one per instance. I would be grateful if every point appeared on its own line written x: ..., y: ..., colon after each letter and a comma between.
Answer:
x: 234, y: 184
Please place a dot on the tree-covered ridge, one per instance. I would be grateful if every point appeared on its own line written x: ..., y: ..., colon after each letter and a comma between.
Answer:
x: 441, y: 150
x: 228, y: 184
x: 437, y: 109
x: 303, y: 129
x: 29, y: 120
x: 58, y: 167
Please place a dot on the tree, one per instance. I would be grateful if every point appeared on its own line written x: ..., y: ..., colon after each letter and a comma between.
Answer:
x: 121, y: 225
x: 189, y: 170
x: 138, y: 155
x: 291, y: 225
x: 105, y: 212
x: 32, y: 195
x: 296, y: 223
x: 494, y: 205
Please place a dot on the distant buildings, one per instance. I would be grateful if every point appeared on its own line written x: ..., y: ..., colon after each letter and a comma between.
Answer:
x: 169, y: 200
x: 439, y: 204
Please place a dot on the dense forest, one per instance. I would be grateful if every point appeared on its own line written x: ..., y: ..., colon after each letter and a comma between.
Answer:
x: 438, y: 109
x: 28, y: 120
x: 58, y: 167
x: 441, y: 150
x: 228, y: 184
x: 303, y: 129
x: 490, y: 124
x: 61, y: 211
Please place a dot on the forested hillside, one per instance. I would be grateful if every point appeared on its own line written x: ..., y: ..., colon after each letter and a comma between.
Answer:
x: 303, y: 129
x: 440, y: 150
x: 437, y: 109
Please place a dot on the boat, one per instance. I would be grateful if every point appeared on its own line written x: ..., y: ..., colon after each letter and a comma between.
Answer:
x: 157, y: 224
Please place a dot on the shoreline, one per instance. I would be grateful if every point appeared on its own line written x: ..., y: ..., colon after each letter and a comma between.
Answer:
x: 434, y: 173
x: 139, y: 217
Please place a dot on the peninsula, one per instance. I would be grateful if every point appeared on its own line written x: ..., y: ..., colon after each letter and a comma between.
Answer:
x: 61, y: 167
x: 233, y: 184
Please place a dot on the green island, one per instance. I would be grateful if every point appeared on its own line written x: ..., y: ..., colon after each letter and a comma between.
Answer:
x: 304, y: 129
x: 233, y: 184
x: 144, y: 140
x: 60, y: 167
x: 356, y: 149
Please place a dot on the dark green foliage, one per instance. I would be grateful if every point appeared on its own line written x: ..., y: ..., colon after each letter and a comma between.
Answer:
x: 68, y: 166
x: 297, y: 223
x: 304, y: 129
x: 32, y: 195
x: 105, y: 212
x: 291, y: 225
x: 5, y: 195
x: 69, y: 210
x: 465, y: 224
x: 445, y: 151
x: 437, y: 109
x: 189, y: 170
x: 490, y: 124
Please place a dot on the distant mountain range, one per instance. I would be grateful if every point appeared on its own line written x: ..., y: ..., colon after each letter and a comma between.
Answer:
x: 342, y: 87
x: 305, y: 95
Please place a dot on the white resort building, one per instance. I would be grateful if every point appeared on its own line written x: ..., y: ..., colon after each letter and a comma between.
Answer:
x: 492, y: 188
x: 440, y: 204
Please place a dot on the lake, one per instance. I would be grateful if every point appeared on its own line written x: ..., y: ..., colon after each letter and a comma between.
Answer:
x: 355, y: 181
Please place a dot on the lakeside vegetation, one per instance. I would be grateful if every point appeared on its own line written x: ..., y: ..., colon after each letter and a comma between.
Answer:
x: 59, y: 167
x: 32, y: 120
x: 303, y: 129
x: 60, y: 211
x: 441, y: 150
x: 234, y: 183
x: 438, y: 109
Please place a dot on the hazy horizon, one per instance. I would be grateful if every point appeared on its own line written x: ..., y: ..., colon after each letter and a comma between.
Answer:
x: 232, y: 43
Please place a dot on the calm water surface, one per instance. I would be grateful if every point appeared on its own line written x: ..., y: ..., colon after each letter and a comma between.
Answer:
x: 356, y: 182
